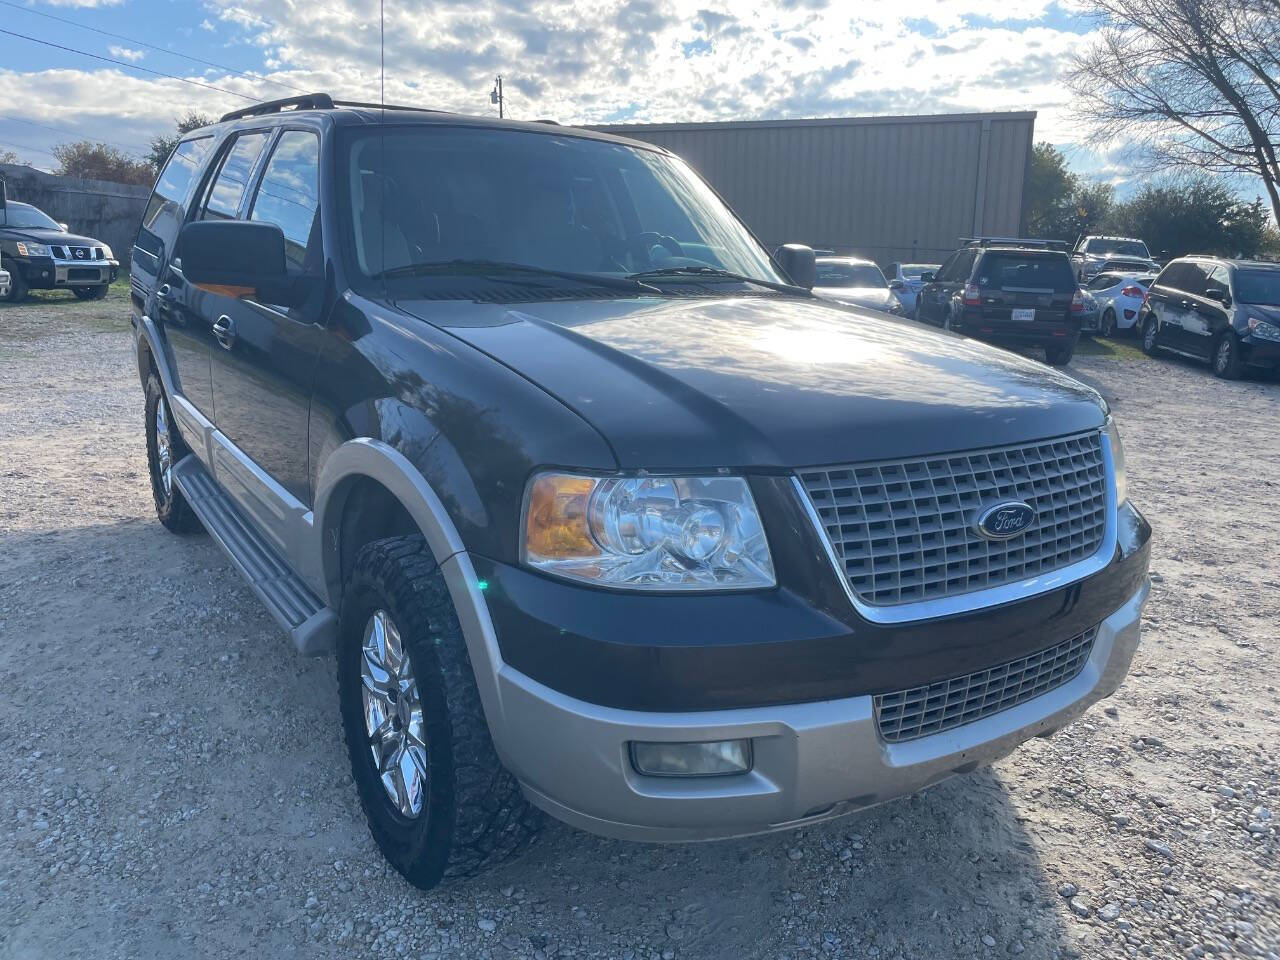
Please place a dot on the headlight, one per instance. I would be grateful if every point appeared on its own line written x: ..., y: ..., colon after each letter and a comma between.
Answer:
x: 1117, y: 461
x: 647, y: 533
x: 1264, y: 329
x: 106, y: 253
x: 32, y: 249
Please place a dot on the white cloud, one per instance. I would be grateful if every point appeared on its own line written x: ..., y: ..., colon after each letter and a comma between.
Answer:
x: 125, y: 53
x: 207, y: 24
x: 84, y: 3
x: 617, y: 60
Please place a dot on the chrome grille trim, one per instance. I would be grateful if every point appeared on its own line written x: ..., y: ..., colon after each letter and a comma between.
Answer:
x: 981, y: 597
x: 920, y: 711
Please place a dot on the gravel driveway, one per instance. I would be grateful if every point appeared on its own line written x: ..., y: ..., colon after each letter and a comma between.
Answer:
x: 174, y: 782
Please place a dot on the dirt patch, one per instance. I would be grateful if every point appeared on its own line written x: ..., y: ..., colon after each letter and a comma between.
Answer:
x: 175, y: 783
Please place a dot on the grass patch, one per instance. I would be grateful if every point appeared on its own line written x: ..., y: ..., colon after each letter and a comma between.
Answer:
x: 1119, y: 349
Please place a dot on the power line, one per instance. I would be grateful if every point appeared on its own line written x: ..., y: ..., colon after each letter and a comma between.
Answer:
x: 152, y: 46
x: 130, y: 66
x: 23, y: 146
x: 74, y: 133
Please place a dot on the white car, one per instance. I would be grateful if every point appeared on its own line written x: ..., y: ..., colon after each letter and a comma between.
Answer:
x: 855, y: 283
x: 904, y: 280
x: 1119, y: 297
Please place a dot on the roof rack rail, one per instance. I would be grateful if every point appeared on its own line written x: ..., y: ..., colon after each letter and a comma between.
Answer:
x: 310, y: 101
x: 383, y: 106
x: 1027, y: 242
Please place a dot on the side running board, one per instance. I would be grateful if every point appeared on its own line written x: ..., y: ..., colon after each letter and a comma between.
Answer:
x: 311, y: 624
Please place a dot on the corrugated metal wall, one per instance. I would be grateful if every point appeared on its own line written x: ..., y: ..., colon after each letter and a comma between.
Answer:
x: 889, y: 188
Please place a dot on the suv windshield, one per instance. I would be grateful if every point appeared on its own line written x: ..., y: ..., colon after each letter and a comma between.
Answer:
x: 1258, y: 286
x: 488, y: 198
x: 1118, y: 248
x: 1026, y: 271
x: 22, y: 215
x: 834, y: 273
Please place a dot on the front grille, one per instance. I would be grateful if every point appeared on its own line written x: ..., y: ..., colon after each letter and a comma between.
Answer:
x: 59, y: 252
x: 904, y: 531
x: 920, y: 711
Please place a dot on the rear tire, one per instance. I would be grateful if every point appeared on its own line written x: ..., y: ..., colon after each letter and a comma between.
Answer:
x: 458, y: 810
x: 1060, y: 356
x: 1150, y: 329
x: 1107, y: 327
x: 164, y: 449
x: 1228, y: 364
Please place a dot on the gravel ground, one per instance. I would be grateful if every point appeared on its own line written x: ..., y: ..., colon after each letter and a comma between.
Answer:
x: 174, y: 782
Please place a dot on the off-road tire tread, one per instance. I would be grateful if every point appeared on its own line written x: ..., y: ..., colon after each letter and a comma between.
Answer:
x: 176, y: 515
x: 490, y: 819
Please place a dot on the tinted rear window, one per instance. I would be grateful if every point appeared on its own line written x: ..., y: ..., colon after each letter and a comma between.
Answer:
x: 1003, y: 271
x: 1258, y: 286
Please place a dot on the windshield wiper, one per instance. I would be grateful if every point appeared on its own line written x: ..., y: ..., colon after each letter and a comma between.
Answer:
x: 488, y: 268
x: 714, y: 273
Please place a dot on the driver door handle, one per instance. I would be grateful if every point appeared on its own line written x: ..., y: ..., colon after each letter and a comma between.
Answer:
x: 224, y: 329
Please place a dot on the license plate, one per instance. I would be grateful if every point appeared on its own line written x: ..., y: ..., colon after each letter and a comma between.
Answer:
x: 1023, y: 316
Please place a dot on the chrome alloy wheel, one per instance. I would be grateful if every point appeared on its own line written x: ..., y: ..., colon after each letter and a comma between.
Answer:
x: 1223, y: 358
x: 164, y: 447
x: 393, y: 715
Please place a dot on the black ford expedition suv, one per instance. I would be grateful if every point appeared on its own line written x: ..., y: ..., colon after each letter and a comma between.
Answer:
x: 1007, y: 291
x: 602, y: 512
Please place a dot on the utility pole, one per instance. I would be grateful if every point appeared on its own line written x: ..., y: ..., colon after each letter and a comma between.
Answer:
x: 495, y: 96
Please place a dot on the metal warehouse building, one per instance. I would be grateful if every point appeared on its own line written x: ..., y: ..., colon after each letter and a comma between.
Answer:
x: 889, y: 188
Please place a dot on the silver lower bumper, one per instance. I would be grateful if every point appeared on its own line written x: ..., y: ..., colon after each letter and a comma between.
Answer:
x: 813, y: 761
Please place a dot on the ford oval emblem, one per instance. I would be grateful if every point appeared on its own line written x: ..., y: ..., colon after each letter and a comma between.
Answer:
x: 1005, y: 520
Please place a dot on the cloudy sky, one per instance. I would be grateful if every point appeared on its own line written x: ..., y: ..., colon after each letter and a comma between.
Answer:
x: 571, y: 60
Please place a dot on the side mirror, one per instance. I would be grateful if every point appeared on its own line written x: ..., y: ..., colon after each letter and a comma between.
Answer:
x: 897, y: 285
x: 236, y: 258
x: 798, y: 262
x: 1217, y: 294
x: 926, y: 277
x: 64, y: 227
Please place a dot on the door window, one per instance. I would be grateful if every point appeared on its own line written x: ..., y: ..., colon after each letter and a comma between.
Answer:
x: 165, y: 209
x: 288, y: 194
x: 227, y: 190
x: 1219, y: 279
x: 1194, y: 280
x: 1173, y: 275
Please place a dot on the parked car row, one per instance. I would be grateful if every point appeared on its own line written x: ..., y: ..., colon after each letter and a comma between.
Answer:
x: 40, y: 254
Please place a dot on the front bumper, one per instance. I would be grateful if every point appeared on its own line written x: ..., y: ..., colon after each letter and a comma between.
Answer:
x: 50, y: 273
x: 813, y: 761
x: 1261, y: 352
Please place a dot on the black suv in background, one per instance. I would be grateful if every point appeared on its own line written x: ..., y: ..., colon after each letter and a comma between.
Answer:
x: 1007, y: 291
x: 40, y: 254
x: 601, y: 510
x: 1209, y: 308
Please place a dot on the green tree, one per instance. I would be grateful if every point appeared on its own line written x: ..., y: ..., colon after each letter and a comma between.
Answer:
x: 1050, y: 188
x: 100, y: 161
x: 1193, y: 214
x: 162, y: 146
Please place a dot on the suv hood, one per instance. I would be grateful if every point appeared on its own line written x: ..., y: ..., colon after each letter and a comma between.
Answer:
x: 768, y: 382
x: 37, y: 235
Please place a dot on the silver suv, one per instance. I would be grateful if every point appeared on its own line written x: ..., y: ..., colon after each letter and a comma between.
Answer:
x: 1223, y: 311
x: 1095, y: 255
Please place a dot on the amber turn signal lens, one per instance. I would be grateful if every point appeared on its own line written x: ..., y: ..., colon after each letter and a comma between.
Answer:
x: 556, y: 524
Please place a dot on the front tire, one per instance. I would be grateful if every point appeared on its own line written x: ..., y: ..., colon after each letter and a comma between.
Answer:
x: 439, y: 803
x: 1228, y: 364
x: 98, y: 292
x: 17, y: 287
x: 164, y: 449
